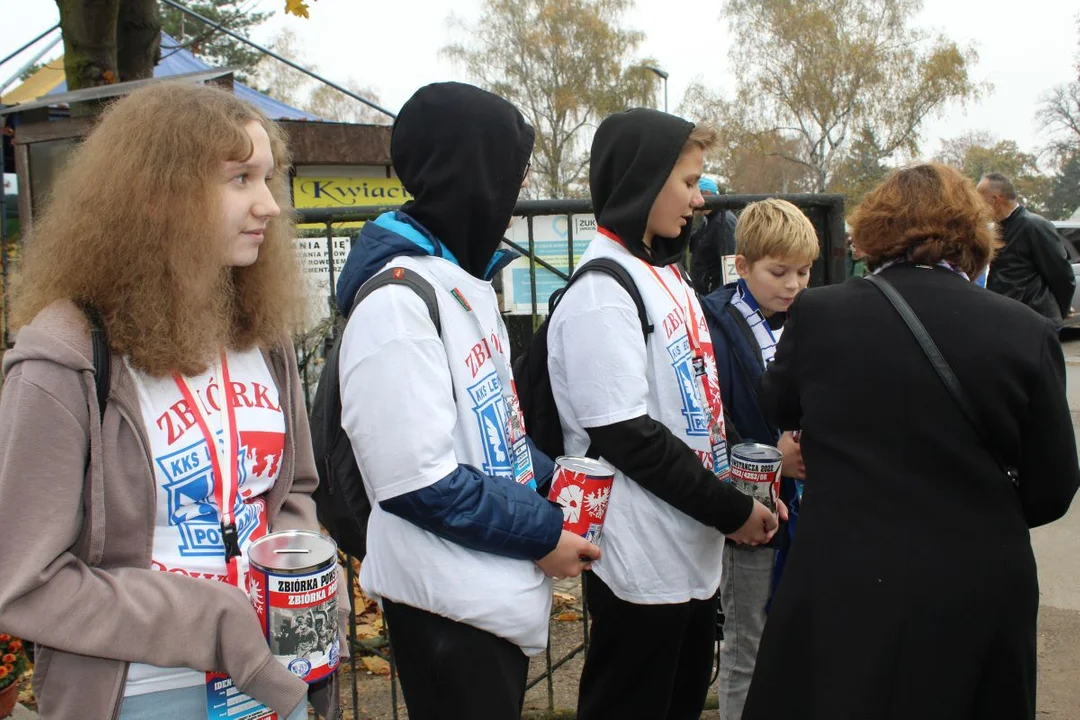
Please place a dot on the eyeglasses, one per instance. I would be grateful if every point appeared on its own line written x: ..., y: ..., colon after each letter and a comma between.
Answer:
x: 527, y: 166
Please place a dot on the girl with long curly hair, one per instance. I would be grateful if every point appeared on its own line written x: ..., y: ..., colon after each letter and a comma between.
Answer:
x: 124, y: 544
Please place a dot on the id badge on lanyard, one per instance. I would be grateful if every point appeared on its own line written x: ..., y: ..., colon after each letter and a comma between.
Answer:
x: 713, y: 411
x: 717, y: 437
x: 223, y: 700
x: 520, y: 457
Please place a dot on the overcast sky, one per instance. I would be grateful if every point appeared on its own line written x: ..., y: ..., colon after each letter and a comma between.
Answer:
x: 1024, y: 49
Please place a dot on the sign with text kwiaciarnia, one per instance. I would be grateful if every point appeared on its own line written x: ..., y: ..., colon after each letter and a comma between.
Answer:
x: 347, y: 192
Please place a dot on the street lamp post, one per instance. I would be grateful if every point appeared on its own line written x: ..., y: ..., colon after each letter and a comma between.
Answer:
x: 663, y: 74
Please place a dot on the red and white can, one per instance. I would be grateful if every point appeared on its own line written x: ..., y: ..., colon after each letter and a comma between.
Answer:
x: 293, y: 584
x: 582, y: 486
x: 755, y: 469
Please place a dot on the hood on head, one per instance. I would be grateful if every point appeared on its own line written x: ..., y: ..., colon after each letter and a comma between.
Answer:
x: 633, y: 153
x: 461, y: 152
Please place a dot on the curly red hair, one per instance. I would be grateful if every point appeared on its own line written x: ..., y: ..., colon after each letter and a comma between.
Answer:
x: 925, y: 213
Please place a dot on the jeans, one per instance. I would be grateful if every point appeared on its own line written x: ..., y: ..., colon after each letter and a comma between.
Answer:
x: 744, y: 590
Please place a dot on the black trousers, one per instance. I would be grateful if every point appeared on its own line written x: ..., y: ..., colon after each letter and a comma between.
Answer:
x: 450, y: 670
x: 646, y: 661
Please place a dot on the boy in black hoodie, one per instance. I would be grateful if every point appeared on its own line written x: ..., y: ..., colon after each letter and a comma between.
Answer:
x: 651, y: 407
x: 460, y: 545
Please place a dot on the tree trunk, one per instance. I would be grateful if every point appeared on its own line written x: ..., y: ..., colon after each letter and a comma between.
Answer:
x: 89, y: 30
x: 138, y: 39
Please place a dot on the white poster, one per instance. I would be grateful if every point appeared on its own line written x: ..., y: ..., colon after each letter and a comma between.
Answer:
x: 551, y: 243
x: 315, y: 265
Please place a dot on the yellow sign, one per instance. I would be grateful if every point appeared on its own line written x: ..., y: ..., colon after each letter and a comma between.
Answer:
x: 340, y: 192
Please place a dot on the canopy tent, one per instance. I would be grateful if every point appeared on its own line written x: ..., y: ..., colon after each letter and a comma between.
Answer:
x: 175, y: 60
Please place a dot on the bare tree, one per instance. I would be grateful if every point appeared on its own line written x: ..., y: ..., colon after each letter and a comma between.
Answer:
x: 566, y: 64
x: 829, y: 72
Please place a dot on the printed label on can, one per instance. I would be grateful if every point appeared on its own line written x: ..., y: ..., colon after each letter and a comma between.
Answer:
x: 299, y: 615
x: 582, y: 487
x: 755, y: 469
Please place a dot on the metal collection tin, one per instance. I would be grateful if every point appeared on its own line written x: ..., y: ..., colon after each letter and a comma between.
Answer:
x: 582, y: 486
x: 755, y: 469
x: 293, y: 584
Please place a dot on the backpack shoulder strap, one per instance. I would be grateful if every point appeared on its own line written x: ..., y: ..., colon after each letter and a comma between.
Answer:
x: 409, y: 278
x: 102, y: 357
x: 617, y: 272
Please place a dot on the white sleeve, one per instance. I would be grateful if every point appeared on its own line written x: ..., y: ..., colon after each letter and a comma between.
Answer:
x: 397, y: 401
x: 598, y: 349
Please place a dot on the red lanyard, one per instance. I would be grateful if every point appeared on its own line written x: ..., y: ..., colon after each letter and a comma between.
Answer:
x: 692, y: 333
x: 226, y: 485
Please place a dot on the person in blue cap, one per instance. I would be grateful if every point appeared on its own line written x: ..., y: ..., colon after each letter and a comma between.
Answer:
x: 712, y: 239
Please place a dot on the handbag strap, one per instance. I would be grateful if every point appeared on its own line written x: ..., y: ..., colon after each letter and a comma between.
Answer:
x: 944, y: 371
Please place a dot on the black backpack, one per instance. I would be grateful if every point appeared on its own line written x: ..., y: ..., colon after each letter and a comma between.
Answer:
x: 102, y: 358
x: 531, y: 370
x: 341, y: 503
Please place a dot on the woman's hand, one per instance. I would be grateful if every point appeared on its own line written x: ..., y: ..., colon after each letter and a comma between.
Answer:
x: 792, y: 465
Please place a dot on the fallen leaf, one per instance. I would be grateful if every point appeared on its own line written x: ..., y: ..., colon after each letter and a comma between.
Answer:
x: 366, y: 631
x: 376, y: 665
x: 562, y: 598
x: 568, y: 616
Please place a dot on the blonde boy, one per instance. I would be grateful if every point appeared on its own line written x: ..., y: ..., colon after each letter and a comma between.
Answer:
x: 776, y: 247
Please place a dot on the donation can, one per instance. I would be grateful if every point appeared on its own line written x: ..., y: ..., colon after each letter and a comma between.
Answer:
x: 755, y: 469
x: 582, y: 486
x: 293, y: 584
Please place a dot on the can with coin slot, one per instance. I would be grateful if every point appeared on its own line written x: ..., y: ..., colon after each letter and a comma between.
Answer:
x: 293, y: 584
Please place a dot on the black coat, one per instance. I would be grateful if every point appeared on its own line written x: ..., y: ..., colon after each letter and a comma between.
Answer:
x: 708, y: 246
x: 1033, y: 267
x: 911, y: 589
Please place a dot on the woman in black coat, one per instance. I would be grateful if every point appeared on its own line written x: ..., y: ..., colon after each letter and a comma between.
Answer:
x: 911, y: 589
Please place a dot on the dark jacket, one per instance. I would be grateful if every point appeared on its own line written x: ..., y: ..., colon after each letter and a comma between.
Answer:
x: 461, y: 152
x: 1033, y: 267
x: 708, y: 246
x: 912, y: 590
x: 739, y: 368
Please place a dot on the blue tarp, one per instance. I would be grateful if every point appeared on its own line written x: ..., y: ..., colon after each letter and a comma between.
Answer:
x: 177, y: 60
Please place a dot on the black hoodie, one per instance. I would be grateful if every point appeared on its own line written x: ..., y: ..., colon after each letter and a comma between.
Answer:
x: 461, y: 152
x: 633, y: 153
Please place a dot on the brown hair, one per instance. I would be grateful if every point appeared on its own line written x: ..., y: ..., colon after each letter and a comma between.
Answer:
x: 703, y: 136
x: 928, y: 213
x: 132, y: 227
x: 775, y: 228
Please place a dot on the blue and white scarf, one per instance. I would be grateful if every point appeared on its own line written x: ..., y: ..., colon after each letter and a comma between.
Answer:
x: 766, y: 337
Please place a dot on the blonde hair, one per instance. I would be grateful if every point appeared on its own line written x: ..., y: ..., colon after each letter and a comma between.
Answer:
x: 132, y: 227
x: 775, y: 228
x: 703, y: 136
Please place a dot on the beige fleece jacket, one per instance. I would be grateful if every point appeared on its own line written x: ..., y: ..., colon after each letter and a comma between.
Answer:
x: 75, y: 544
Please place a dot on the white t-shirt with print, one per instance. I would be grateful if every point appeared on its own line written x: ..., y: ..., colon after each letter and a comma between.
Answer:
x: 603, y: 372
x: 187, y: 523
x: 415, y: 405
